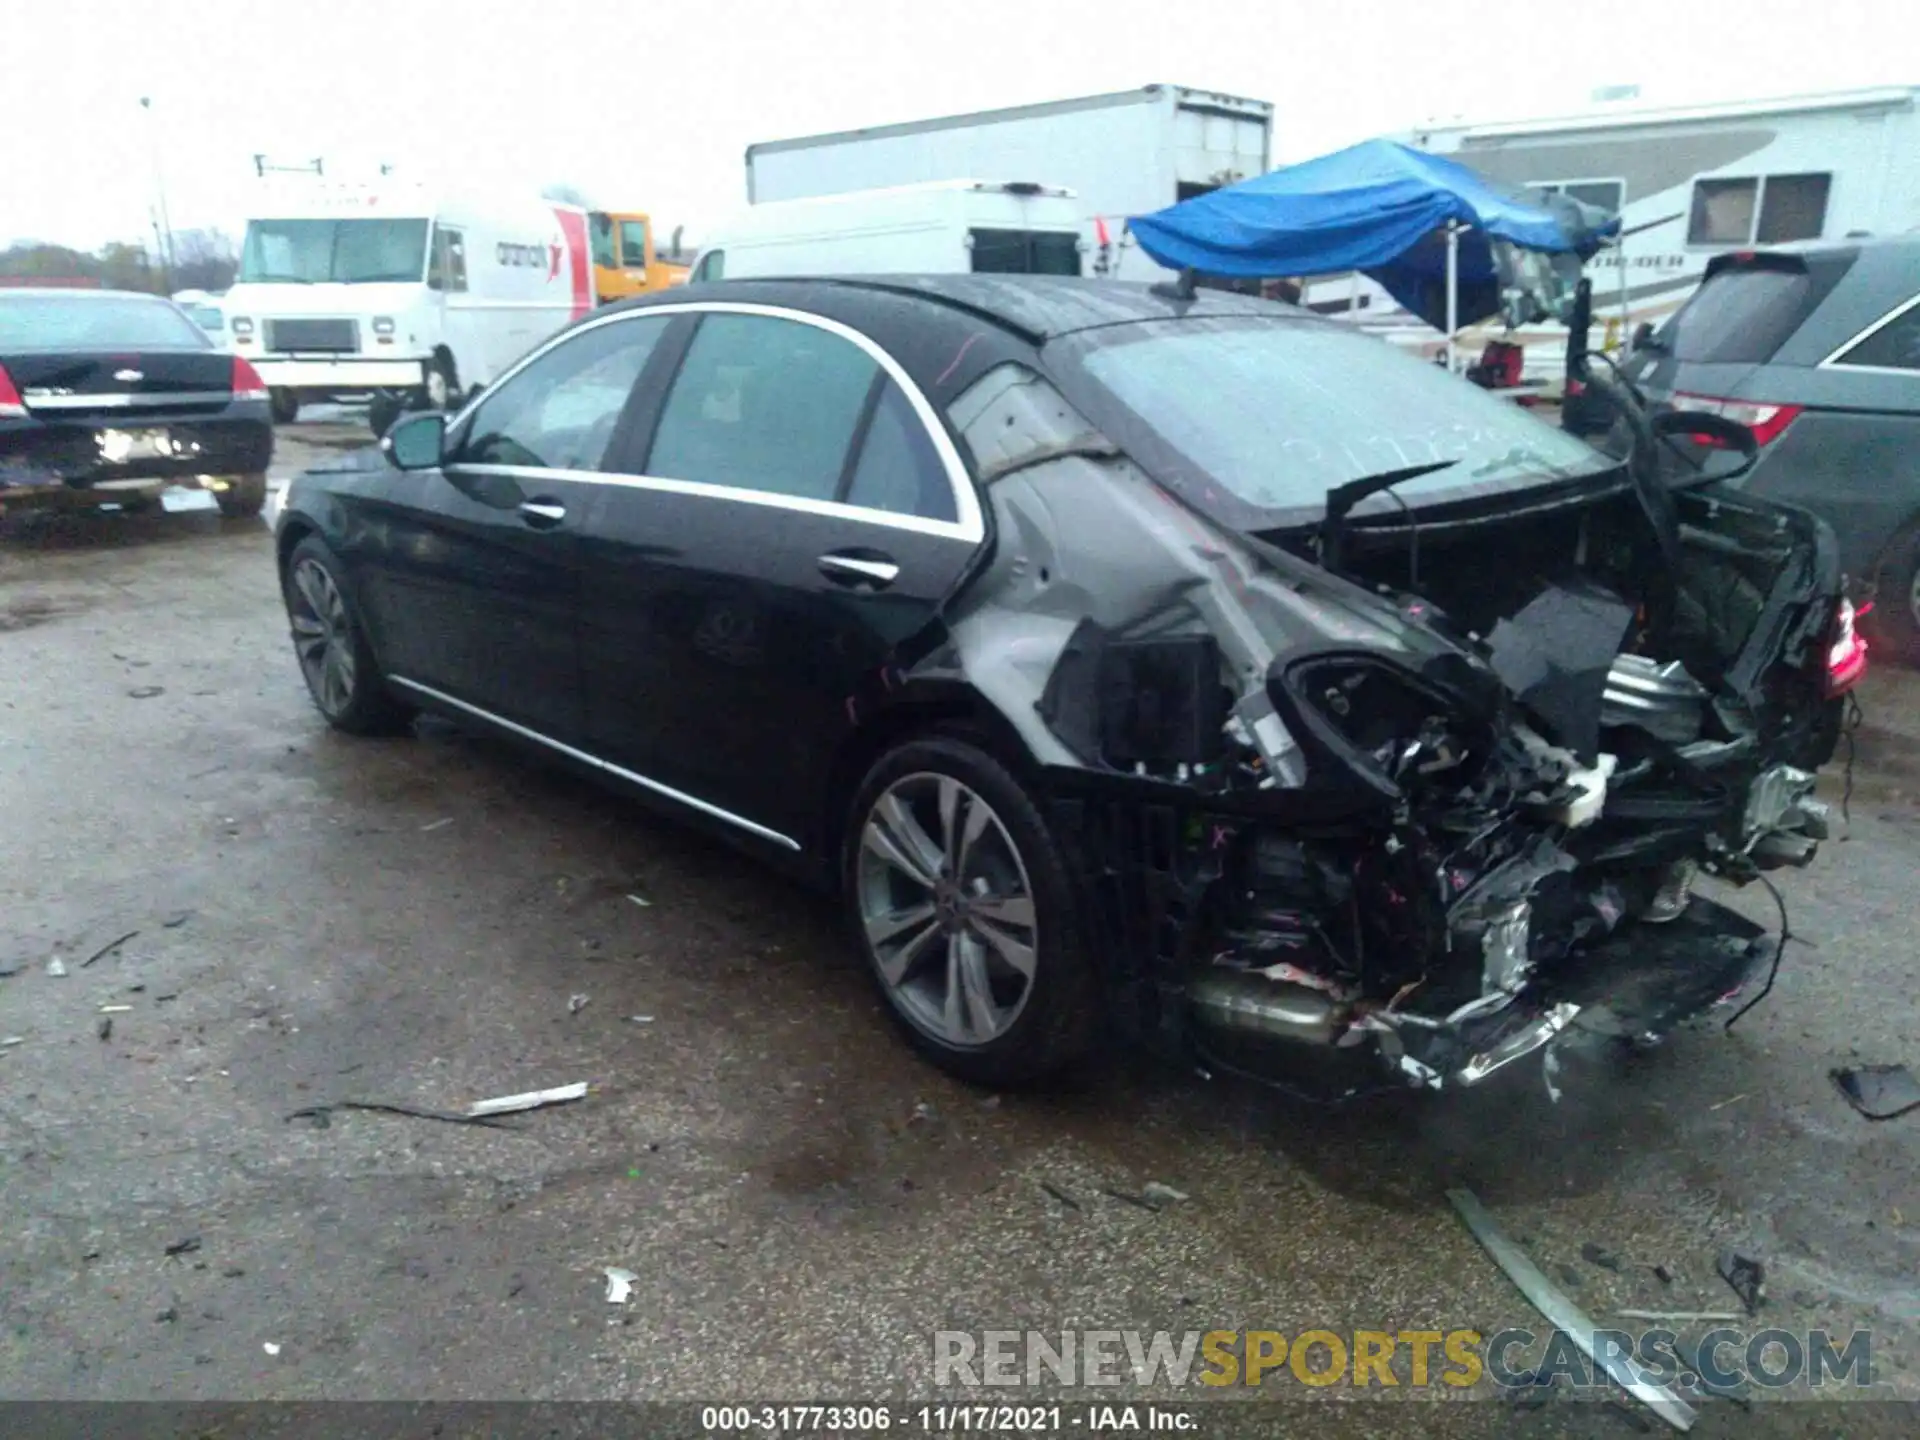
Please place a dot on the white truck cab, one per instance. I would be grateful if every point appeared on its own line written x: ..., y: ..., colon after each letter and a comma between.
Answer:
x: 393, y: 293
x: 940, y: 227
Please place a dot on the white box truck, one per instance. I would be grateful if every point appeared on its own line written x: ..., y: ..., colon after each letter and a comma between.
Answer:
x: 1123, y: 154
x: 394, y: 292
x: 941, y: 227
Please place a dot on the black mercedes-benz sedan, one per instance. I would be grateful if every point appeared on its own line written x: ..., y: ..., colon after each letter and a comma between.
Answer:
x: 112, y: 397
x: 1183, y: 668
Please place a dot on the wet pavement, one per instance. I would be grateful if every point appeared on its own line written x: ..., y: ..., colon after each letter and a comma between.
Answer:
x: 800, y: 1201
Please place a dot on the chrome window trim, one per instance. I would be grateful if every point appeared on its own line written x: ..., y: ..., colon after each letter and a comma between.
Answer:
x: 597, y: 763
x: 969, y: 526
x: 1834, y: 362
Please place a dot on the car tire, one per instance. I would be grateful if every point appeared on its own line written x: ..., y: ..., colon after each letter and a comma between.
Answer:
x: 244, y: 497
x: 442, y: 388
x: 1894, y: 621
x: 345, y: 680
x: 382, y: 411
x: 284, y: 404
x: 953, y: 982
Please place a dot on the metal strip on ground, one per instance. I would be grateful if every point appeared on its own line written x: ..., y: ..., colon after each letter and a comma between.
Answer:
x: 1563, y: 1314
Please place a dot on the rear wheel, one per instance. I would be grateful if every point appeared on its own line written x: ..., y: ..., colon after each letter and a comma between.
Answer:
x: 335, y: 659
x: 960, y: 900
x: 244, y: 496
x: 1895, y: 618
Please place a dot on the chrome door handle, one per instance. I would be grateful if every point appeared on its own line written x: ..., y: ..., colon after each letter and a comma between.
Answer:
x: 852, y: 569
x: 542, y: 513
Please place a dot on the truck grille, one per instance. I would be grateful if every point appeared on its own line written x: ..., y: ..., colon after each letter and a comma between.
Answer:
x: 330, y: 335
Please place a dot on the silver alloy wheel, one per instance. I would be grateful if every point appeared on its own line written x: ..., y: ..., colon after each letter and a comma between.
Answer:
x: 322, y: 636
x: 947, y: 909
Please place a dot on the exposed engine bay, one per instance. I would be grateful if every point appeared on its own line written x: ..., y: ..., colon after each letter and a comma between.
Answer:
x: 1431, y: 791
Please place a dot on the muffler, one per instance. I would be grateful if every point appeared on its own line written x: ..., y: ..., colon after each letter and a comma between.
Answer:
x: 1245, y: 1003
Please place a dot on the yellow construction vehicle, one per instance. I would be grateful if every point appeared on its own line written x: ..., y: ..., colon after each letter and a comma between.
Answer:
x: 625, y: 262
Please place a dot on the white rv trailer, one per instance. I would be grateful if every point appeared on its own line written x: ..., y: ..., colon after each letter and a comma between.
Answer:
x: 1123, y: 154
x: 1689, y: 183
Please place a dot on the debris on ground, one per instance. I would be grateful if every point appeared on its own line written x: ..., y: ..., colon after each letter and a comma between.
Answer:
x: 1596, y: 1255
x: 1663, y: 1274
x: 1677, y: 1314
x: 146, y: 692
x: 1062, y: 1196
x: 532, y: 1100
x: 1564, y: 1315
x: 7, y: 1042
x: 1747, y: 1277
x: 175, y: 920
x: 1139, y: 1202
x: 1879, y: 1092
x: 270, y: 1347
x: 322, y: 1115
x: 1615, y: 1405
x: 105, y: 1028
x: 440, y: 824
x: 116, y: 1009
x: 168, y: 1315
x: 619, y: 1285
x: 923, y: 1111
x: 1730, y: 1100
x: 641, y: 1019
x: 56, y: 967
x: 577, y: 1003
x: 1160, y: 1196
x: 108, y: 948
x: 642, y: 902
x: 184, y: 1247
x: 1571, y: 1276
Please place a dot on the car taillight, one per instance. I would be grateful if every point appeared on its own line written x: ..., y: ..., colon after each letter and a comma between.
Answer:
x: 1767, y: 422
x: 247, y: 384
x: 1847, y: 658
x: 10, y: 406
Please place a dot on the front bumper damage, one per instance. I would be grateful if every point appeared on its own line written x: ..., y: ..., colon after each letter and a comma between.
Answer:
x: 1335, y: 835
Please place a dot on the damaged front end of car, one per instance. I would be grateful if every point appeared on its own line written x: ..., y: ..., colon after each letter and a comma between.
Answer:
x: 1403, y: 832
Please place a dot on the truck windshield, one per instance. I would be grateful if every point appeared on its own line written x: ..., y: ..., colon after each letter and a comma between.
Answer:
x: 1026, y: 252
x: 307, y: 252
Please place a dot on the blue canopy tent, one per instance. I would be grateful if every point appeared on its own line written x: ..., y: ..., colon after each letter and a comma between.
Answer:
x: 1423, y: 226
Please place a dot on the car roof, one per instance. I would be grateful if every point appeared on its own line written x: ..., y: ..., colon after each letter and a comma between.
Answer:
x: 948, y: 329
x: 75, y: 292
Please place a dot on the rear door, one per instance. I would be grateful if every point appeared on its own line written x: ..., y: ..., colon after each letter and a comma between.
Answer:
x: 796, y: 517
x: 472, y: 572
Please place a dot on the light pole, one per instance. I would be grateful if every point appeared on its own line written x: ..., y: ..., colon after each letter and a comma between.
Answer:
x: 160, y: 194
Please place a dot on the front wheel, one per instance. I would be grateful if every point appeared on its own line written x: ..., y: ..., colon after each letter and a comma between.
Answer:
x: 335, y: 659
x: 960, y: 899
x: 382, y: 411
x: 285, y: 405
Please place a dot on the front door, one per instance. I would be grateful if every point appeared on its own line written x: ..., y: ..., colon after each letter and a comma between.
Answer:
x: 476, y: 581
x: 794, y: 524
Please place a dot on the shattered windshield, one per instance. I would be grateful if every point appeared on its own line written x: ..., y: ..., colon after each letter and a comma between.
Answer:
x: 343, y: 251
x: 1276, y: 412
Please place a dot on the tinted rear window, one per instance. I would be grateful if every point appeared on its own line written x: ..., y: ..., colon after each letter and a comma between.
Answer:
x: 1743, y: 314
x: 1270, y: 414
x: 89, y: 322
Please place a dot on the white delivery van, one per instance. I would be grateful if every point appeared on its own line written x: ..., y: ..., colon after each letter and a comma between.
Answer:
x: 942, y: 226
x: 393, y: 293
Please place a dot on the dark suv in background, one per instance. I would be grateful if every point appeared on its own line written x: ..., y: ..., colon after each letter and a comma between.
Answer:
x: 1816, y: 348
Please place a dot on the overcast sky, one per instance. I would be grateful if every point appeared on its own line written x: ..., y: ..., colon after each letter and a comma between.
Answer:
x: 651, y: 105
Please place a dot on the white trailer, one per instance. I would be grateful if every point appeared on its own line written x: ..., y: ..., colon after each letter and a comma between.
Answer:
x: 1123, y: 154
x: 413, y: 298
x: 1689, y: 183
